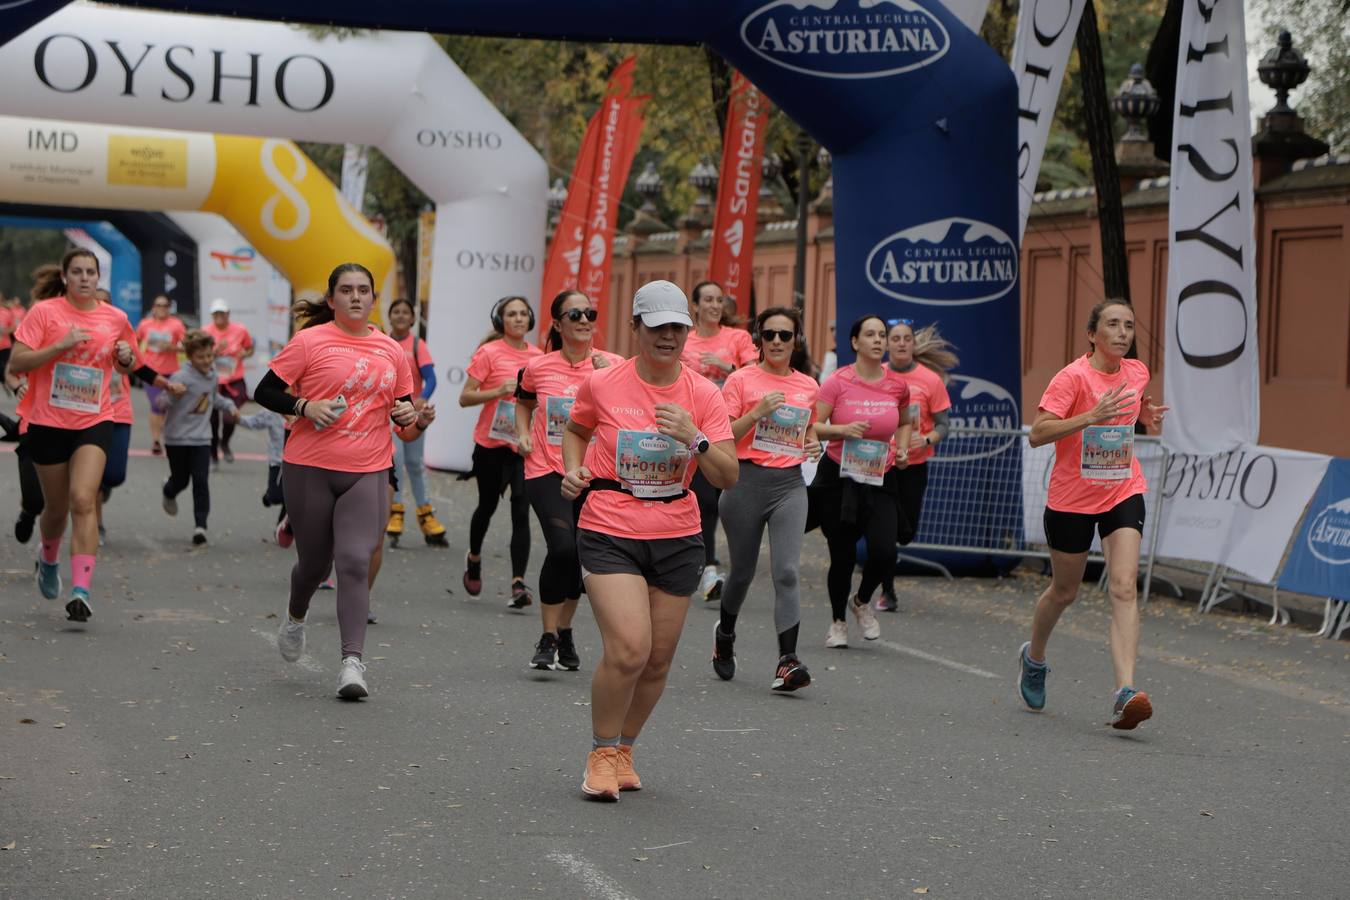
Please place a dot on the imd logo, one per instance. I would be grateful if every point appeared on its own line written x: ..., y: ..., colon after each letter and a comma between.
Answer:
x: 846, y: 38
x: 947, y: 262
x: 1329, y: 536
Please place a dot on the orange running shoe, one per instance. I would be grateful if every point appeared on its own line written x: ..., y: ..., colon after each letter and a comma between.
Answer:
x: 628, y: 777
x: 602, y: 775
x: 1131, y: 708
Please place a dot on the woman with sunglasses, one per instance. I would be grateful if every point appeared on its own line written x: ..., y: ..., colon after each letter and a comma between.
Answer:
x: 773, y: 410
x: 490, y: 382
x: 923, y: 359
x: 548, y: 387
x: 408, y: 455
x: 714, y: 351
x: 160, y: 336
x: 863, y: 411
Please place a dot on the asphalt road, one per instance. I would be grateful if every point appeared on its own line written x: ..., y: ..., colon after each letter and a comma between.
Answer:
x: 164, y: 750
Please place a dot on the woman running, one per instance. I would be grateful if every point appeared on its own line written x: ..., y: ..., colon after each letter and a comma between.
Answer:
x: 853, y: 495
x: 923, y: 359
x: 491, y: 383
x: 72, y: 346
x: 160, y: 335
x: 349, y: 379
x: 773, y: 410
x: 47, y: 283
x: 408, y: 456
x: 714, y: 351
x: 233, y: 345
x: 637, y: 432
x: 1088, y: 412
x: 551, y: 382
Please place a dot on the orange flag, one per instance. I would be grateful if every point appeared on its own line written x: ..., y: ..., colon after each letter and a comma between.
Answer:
x: 731, y: 257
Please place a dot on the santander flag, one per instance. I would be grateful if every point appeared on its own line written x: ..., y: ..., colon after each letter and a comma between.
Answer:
x: 733, y: 244
x: 564, y: 253
x: 618, y: 124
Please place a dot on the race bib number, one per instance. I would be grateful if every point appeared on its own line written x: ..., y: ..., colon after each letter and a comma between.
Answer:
x: 863, y: 460
x: 783, y: 431
x: 650, y: 464
x: 225, y: 365
x: 503, y: 426
x: 558, y: 409
x: 158, y: 341
x: 79, y: 388
x: 1108, y: 452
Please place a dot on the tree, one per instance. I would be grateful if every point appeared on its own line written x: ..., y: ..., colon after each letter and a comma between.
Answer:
x: 21, y: 251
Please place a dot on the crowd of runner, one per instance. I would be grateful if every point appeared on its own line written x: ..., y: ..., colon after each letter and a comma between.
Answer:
x: 627, y: 464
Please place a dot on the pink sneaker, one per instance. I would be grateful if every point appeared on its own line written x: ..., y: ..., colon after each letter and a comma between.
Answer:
x: 285, y: 537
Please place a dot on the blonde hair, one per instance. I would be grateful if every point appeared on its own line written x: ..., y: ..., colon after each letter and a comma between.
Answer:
x: 935, y: 351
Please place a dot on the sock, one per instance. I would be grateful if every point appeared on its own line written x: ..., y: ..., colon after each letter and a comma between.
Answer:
x: 597, y: 742
x: 1031, y: 659
x: 787, y: 640
x: 82, y: 570
x: 728, y: 623
x: 626, y: 741
x: 51, y: 550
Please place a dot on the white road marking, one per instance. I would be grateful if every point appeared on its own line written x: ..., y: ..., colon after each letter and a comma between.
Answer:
x: 305, y: 662
x: 939, y: 660
x: 668, y: 846
x: 598, y: 884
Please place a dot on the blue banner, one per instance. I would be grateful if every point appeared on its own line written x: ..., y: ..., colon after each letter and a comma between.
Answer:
x: 124, y: 281
x: 1319, y: 561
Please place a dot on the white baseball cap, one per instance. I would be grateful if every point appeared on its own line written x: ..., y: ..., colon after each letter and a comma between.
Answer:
x: 662, y: 303
x: 219, y: 305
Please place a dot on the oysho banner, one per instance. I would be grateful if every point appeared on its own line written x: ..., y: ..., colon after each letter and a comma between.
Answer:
x: 1045, y: 35
x: 1210, y: 377
x: 1237, y: 508
x: 1319, y: 561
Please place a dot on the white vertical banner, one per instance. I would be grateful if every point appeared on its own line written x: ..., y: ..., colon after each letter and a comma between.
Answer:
x: 1211, y: 378
x: 355, y: 165
x: 1045, y: 33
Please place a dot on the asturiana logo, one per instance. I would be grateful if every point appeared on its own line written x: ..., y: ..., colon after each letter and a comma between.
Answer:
x: 948, y: 262
x: 846, y: 38
x: 1329, y: 536
x: 978, y: 404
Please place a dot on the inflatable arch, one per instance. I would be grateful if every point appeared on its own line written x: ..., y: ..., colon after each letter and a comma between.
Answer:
x: 273, y: 193
x: 397, y: 91
x: 919, y: 114
x: 120, y: 271
x: 168, y: 255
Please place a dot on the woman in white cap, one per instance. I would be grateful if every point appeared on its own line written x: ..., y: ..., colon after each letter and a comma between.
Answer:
x: 636, y: 434
x: 233, y: 345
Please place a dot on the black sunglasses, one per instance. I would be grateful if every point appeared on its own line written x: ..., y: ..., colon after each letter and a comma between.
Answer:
x: 768, y: 334
x: 575, y: 315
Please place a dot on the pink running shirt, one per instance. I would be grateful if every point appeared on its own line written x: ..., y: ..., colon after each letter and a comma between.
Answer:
x: 554, y: 381
x: 1109, y: 472
x: 927, y: 395
x: 616, y: 400
x: 370, y: 373
x: 7, y: 325
x: 876, y: 402
x: 776, y: 441
x: 494, y: 364
x: 158, y: 338
x: 731, y: 344
x: 415, y: 363
x: 72, y: 390
x: 231, y: 343
x: 119, y: 394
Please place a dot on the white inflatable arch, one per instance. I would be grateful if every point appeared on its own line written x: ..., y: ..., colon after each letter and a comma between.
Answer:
x: 397, y: 91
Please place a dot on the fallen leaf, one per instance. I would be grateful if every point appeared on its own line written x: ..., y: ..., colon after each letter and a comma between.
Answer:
x: 640, y: 858
x: 10, y: 846
x: 28, y: 721
x: 1205, y: 812
x: 100, y: 846
x: 921, y: 890
x: 172, y: 737
x: 59, y: 725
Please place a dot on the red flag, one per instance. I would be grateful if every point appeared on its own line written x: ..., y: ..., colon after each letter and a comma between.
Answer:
x: 620, y: 122
x: 564, y: 253
x: 731, y: 257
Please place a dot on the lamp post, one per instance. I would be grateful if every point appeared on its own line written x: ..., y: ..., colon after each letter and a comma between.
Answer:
x: 703, y: 178
x: 648, y: 185
x: 1282, y: 69
x: 557, y: 196
x: 803, y: 147
x: 1136, y: 102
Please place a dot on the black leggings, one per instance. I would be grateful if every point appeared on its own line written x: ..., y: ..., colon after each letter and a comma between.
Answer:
x: 875, y: 521
x: 30, y: 488
x: 495, y: 469
x: 913, y: 482
x: 560, y: 576
x: 194, y: 463
x: 708, y: 497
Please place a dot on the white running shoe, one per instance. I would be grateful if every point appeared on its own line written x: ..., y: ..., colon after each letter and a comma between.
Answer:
x: 837, y: 636
x: 352, y: 679
x: 291, y: 639
x: 867, y: 621
x: 710, y: 585
x: 170, y: 504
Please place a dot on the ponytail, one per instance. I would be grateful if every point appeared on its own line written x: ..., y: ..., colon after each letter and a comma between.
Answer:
x: 47, y: 283
x: 934, y: 351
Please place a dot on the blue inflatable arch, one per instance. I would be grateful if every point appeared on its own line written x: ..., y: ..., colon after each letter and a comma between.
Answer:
x: 124, y: 280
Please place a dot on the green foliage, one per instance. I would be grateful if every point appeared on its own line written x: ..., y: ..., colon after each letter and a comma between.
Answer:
x: 21, y: 251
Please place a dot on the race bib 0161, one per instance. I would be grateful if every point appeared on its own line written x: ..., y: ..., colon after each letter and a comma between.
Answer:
x: 78, y: 388
x: 783, y: 431
x: 650, y: 464
x: 864, y: 460
x: 1108, y: 452
x: 503, y: 426
x: 558, y: 409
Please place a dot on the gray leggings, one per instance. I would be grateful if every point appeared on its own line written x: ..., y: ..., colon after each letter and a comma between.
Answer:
x: 777, y: 497
x: 338, y: 521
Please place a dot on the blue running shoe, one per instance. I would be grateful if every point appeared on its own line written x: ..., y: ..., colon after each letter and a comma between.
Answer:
x: 78, y: 609
x: 1131, y: 707
x: 49, y: 579
x: 1032, y: 680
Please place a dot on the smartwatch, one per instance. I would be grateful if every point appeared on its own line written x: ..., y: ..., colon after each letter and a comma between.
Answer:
x: 699, y: 445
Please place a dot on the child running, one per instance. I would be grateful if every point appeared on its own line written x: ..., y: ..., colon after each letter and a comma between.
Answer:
x: 187, y: 429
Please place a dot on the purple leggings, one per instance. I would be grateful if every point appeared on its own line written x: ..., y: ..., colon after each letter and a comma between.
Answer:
x: 338, y: 520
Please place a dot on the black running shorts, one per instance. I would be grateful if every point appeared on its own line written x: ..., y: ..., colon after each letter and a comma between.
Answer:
x: 673, y: 565
x: 1072, y: 532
